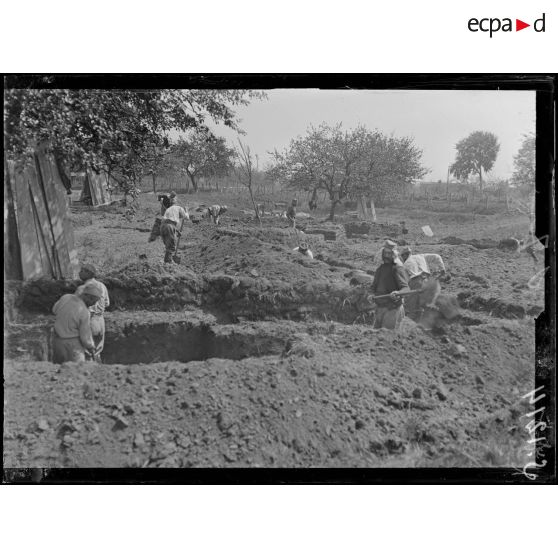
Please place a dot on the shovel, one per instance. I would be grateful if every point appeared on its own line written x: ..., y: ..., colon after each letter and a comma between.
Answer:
x: 431, y: 289
x: 178, y: 259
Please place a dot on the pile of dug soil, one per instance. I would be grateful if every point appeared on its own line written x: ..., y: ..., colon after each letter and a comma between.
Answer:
x: 335, y: 396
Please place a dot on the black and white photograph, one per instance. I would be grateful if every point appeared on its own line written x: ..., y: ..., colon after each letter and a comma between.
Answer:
x: 238, y: 275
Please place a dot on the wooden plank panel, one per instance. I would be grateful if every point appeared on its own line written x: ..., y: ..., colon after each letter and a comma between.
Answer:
x: 43, y: 213
x: 49, y: 183
x: 93, y: 188
x: 85, y: 191
x: 12, y: 251
x: 31, y: 261
x: 57, y: 205
x: 103, y: 183
x: 44, y: 249
x: 97, y: 184
x: 61, y: 212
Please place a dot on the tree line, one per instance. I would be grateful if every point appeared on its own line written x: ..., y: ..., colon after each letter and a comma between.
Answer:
x: 124, y: 133
x: 131, y: 134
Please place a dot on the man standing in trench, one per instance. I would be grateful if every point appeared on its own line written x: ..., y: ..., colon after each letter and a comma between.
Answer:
x: 390, y: 279
x: 87, y: 274
x: 169, y: 229
x: 72, y: 326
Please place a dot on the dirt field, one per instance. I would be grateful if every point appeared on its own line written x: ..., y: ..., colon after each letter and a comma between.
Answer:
x: 247, y: 354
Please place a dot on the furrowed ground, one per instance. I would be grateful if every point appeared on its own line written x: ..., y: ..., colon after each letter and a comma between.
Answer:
x: 247, y: 354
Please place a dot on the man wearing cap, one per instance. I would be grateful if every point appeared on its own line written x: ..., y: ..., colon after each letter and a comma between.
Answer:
x: 304, y: 250
x: 169, y: 229
x: 215, y: 212
x: 291, y: 213
x: 72, y: 326
x: 88, y: 274
x: 390, y: 279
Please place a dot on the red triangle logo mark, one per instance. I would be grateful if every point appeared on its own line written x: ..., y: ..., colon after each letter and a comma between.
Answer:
x: 519, y: 25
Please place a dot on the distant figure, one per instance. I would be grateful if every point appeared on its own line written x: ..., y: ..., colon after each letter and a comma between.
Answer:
x: 291, y: 213
x: 215, y: 212
x: 313, y: 203
x: 72, y: 325
x: 404, y: 229
x: 304, y: 250
x: 88, y: 275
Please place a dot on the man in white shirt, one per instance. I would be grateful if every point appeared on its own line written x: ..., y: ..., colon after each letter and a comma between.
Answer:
x: 215, y: 212
x: 169, y: 229
x: 72, y: 326
x: 420, y: 268
x: 88, y: 275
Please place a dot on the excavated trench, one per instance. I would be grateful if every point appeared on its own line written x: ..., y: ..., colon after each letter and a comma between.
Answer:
x: 135, y: 342
x: 185, y: 342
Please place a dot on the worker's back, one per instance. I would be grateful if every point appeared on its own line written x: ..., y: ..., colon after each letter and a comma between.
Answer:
x: 70, y: 311
x: 416, y: 265
x: 435, y: 263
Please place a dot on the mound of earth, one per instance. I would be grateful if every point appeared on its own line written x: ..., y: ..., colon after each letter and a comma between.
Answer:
x: 328, y: 396
x: 192, y: 378
x: 377, y: 231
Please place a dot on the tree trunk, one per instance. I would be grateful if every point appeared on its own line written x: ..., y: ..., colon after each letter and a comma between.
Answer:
x: 154, y: 183
x: 254, y: 204
x: 373, y: 210
x: 480, y: 181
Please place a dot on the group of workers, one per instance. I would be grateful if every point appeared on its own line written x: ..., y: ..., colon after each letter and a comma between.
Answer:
x: 401, y: 273
x: 79, y: 327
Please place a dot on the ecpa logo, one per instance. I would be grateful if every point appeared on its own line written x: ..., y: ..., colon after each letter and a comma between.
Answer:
x: 494, y: 24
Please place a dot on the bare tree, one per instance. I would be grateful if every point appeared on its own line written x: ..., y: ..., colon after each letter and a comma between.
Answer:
x: 246, y: 172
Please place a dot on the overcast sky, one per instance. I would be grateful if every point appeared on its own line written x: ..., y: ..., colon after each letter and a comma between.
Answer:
x: 436, y: 119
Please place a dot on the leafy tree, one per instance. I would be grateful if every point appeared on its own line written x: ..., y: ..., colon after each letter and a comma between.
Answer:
x: 201, y: 154
x: 348, y: 163
x: 116, y: 131
x: 523, y: 176
x: 388, y: 167
x: 475, y: 153
x: 322, y: 160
